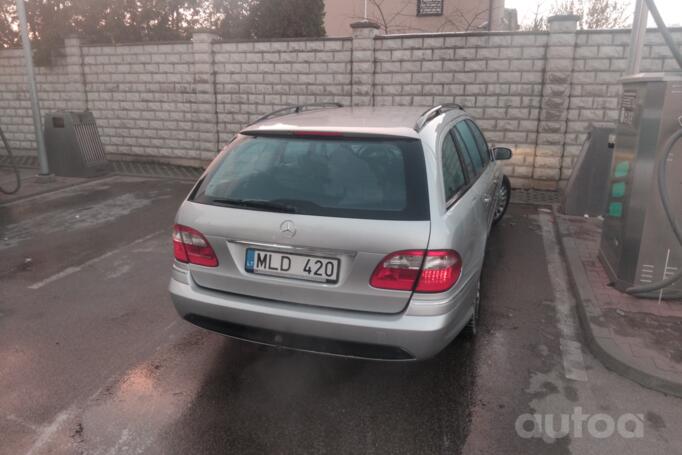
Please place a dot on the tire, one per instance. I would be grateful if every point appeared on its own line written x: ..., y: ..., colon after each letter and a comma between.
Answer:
x: 503, y: 197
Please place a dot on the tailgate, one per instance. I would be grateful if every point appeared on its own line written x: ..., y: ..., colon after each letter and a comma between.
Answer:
x: 358, y: 244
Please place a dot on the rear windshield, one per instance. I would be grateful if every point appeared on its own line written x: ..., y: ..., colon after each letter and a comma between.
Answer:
x: 338, y: 177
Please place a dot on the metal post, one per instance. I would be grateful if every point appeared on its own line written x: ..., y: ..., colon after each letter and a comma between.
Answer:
x: 35, y: 106
x: 637, y: 37
x: 366, y: 9
x: 667, y: 37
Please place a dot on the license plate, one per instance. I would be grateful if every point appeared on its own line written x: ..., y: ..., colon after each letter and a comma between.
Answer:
x: 296, y: 266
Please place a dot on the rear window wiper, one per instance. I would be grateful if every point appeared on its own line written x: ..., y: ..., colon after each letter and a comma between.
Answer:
x: 257, y: 204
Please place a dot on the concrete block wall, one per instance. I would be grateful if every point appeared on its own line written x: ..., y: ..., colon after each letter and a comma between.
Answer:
x: 144, y: 100
x: 496, y: 77
x: 539, y: 93
x: 556, y: 89
x: 254, y: 78
x: 59, y: 87
x: 599, y: 62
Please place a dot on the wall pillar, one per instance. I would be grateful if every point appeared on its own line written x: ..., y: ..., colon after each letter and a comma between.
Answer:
x: 362, y: 80
x: 205, y: 110
x: 496, y: 16
x: 78, y: 97
x: 551, y: 142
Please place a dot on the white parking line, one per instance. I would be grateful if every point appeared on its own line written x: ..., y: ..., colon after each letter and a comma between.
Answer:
x: 571, y: 349
x: 71, y: 270
x: 47, y: 432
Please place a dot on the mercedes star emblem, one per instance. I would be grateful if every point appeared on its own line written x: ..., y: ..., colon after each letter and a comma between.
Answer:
x: 288, y: 228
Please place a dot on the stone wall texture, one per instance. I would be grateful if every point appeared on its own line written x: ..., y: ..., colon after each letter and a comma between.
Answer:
x: 539, y: 93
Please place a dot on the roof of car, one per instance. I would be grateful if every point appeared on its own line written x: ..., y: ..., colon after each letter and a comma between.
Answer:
x: 388, y: 121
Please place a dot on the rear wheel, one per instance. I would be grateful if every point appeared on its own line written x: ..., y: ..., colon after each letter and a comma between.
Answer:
x: 503, y: 197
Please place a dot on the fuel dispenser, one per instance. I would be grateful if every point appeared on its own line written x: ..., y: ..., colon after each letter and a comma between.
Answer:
x: 641, y: 244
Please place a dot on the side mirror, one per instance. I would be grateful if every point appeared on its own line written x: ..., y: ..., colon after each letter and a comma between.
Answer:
x: 502, y: 153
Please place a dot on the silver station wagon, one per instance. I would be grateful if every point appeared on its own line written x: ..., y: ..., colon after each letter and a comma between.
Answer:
x: 349, y: 231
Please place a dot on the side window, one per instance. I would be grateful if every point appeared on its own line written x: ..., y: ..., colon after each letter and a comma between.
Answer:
x: 480, y: 142
x: 466, y: 159
x: 453, y: 173
x: 470, y: 147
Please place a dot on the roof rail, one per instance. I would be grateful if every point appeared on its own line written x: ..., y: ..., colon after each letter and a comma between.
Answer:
x: 434, y: 112
x: 295, y: 109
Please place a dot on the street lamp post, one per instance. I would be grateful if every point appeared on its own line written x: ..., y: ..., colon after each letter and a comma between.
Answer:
x: 637, y: 37
x: 30, y: 75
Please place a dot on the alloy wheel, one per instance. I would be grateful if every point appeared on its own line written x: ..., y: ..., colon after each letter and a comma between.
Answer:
x: 502, y: 198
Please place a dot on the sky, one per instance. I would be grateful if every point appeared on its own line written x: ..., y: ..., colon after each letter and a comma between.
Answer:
x: 671, y: 10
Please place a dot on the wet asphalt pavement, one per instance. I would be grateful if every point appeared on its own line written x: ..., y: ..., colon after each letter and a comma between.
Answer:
x: 93, y: 358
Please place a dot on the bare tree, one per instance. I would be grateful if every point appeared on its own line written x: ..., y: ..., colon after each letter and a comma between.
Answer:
x: 606, y: 14
x: 463, y: 21
x: 538, y: 23
x: 568, y: 7
x: 595, y: 14
x: 390, y: 23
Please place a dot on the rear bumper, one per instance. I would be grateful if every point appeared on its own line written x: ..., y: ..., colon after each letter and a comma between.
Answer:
x: 338, y: 332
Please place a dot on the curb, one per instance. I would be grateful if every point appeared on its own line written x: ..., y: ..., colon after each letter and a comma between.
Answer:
x: 603, y: 347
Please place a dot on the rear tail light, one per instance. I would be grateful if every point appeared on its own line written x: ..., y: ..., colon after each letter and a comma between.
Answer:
x: 190, y: 246
x: 418, y: 270
x: 398, y: 271
x: 440, y: 271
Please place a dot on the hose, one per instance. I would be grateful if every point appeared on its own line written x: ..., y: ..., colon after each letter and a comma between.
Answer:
x: 12, y: 164
x: 665, y: 201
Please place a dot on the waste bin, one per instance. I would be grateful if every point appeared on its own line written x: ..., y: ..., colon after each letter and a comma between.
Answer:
x: 73, y: 145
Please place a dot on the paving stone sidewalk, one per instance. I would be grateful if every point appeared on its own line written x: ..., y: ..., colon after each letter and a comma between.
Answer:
x: 638, y: 338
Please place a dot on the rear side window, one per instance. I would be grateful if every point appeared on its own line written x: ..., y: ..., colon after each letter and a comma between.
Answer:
x: 466, y: 159
x: 453, y: 173
x: 326, y: 176
x: 480, y: 142
x: 470, y: 147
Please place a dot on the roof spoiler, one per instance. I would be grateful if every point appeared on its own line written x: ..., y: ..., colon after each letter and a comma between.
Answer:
x: 295, y: 109
x: 434, y: 112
